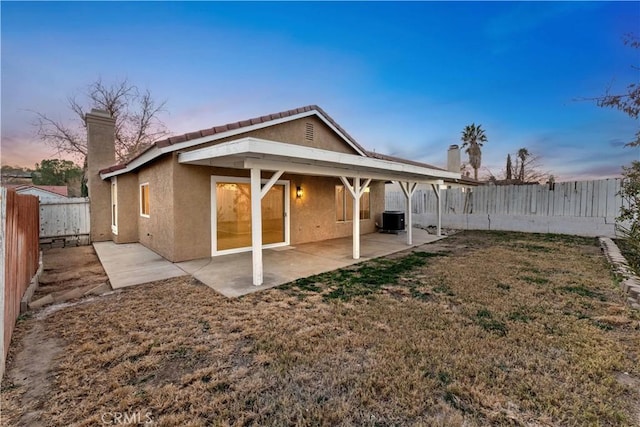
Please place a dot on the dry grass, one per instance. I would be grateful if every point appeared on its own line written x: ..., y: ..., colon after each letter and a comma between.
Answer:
x: 501, y: 328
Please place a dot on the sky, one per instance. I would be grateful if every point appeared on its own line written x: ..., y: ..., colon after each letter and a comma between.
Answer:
x: 403, y: 78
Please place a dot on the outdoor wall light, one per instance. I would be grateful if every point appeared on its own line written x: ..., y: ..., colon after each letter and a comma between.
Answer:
x: 299, y: 192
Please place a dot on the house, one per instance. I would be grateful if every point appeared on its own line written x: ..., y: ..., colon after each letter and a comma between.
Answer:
x: 282, y: 179
x: 43, y: 192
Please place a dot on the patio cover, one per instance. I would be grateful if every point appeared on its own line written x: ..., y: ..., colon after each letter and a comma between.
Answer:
x: 355, y: 171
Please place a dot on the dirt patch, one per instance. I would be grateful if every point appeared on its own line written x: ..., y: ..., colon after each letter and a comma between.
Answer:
x: 32, y: 371
x: 33, y: 359
x: 68, y: 268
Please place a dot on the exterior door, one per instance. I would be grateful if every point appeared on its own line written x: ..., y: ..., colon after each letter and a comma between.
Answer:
x: 231, y: 215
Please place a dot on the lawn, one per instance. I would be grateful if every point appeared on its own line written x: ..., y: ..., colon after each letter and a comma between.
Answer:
x: 481, y: 328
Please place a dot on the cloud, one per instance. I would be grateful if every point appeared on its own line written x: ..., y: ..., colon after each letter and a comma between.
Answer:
x: 22, y: 151
x: 617, y: 143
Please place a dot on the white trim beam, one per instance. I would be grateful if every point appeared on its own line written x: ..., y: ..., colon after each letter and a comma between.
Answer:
x: 333, y: 171
x: 260, y: 149
x: 265, y: 188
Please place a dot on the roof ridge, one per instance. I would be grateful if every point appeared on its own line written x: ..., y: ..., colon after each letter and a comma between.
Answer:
x: 237, y: 125
x: 166, y: 142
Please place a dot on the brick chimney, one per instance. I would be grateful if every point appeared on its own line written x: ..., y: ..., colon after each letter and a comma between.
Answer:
x: 453, y: 159
x: 101, y: 154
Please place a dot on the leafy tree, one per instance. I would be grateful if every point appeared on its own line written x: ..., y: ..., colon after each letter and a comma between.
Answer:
x: 473, y: 137
x: 629, y: 220
x: 136, y: 113
x: 509, y: 168
x: 56, y: 172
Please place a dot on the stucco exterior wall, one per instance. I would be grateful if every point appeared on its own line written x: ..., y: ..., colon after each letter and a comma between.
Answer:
x: 193, y: 212
x: 100, y: 154
x: 128, y: 208
x: 294, y: 133
x: 313, y: 217
x: 158, y: 231
x: 179, y: 224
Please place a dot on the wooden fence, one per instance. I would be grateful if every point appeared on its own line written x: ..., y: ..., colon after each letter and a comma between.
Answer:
x: 65, y: 221
x: 20, y: 255
x: 538, y: 208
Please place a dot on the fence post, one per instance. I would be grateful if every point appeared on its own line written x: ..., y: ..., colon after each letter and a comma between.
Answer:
x: 3, y: 240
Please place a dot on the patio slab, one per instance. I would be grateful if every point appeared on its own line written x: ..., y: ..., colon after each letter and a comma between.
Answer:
x: 133, y: 264
x: 231, y: 275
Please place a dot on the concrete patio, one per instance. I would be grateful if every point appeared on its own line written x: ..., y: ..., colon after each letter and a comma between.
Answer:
x: 231, y: 275
x: 131, y: 264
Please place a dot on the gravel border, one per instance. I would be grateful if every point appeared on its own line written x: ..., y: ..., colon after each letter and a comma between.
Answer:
x: 630, y: 282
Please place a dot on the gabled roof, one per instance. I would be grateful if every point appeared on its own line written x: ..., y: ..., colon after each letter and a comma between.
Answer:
x: 204, y: 136
x: 218, y: 132
x: 58, y: 190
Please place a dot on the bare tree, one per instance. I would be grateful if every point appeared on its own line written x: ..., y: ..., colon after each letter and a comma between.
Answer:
x: 136, y: 113
x: 529, y: 167
x: 629, y: 102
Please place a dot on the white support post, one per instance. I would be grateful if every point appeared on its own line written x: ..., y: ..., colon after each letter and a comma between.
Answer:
x: 356, y: 190
x: 256, y: 226
x: 356, y: 218
x: 436, y: 190
x: 408, y: 188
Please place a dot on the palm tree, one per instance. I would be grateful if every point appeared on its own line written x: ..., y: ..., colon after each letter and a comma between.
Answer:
x: 523, y: 153
x: 473, y: 137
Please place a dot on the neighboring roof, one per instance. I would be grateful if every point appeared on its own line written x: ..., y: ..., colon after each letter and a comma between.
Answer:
x: 17, y: 174
x: 401, y: 160
x: 203, y: 136
x: 59, y: 190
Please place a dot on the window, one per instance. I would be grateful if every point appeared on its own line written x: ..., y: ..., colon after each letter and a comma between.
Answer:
x: 344, y: 204
x: 114, y: 205
x: 144, y: 200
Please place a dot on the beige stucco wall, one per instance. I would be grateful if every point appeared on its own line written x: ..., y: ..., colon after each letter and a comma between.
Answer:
x: 179, y: 224
x: 101, y: 154
x: 313, y: 217
x: 128, y: 208
x: 158, y: 231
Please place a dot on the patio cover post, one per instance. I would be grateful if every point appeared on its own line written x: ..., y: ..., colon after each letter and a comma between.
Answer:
x: 256, y: 226
x: 408, y: 188
x: 256, y: 219
x: 356, y: 192
x: 436, y: 190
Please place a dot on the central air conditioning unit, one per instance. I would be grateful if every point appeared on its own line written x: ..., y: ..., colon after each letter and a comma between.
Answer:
x: 392, y: 221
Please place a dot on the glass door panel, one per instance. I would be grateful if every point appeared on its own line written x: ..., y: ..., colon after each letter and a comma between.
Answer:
x: 233, y: 216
